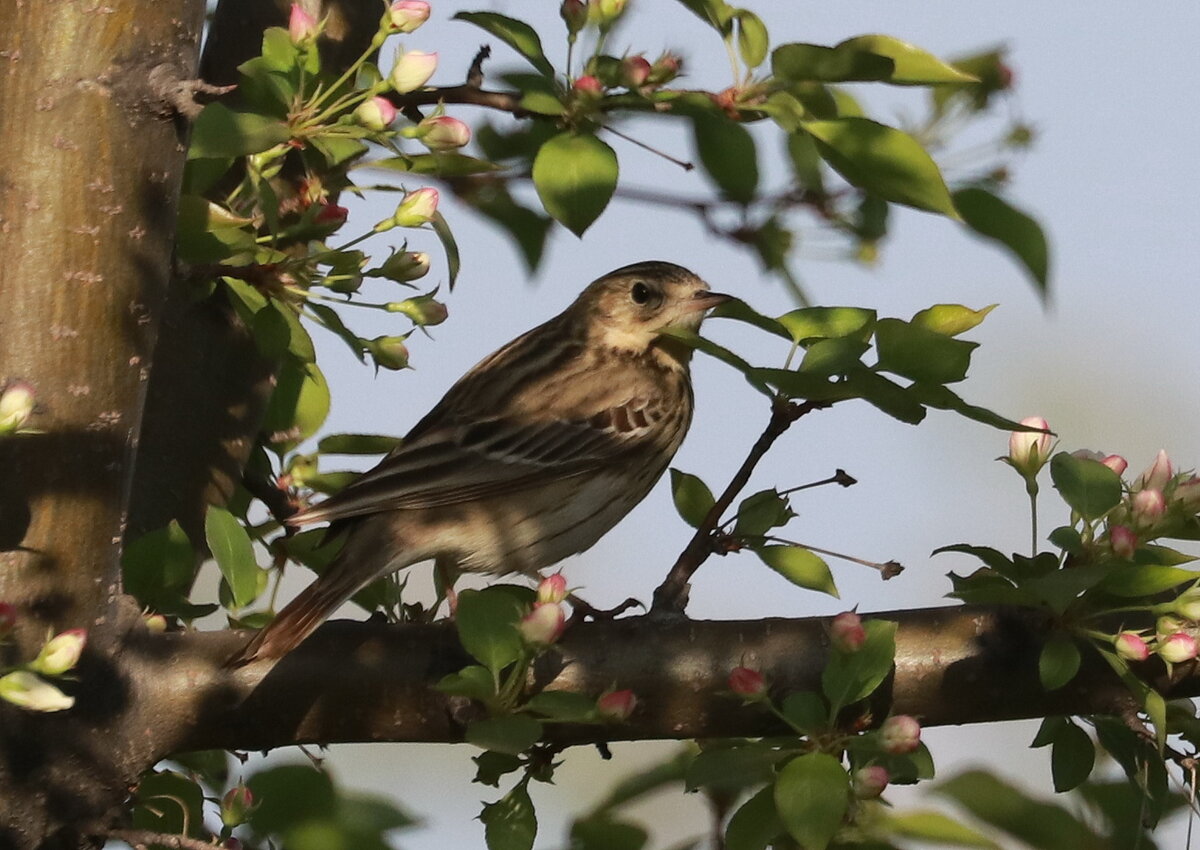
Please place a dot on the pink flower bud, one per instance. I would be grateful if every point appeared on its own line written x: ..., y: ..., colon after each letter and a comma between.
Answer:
x: 1147, y: 508
x: 846, y: 632
x: 155, y: 623
x: 61, y: 653
x: 16, y: 407
x: 665, y: 68
x: 1167, y: 625
x: 1187, y: 604
x: 406, y: 15
x: 1187, y: 494
x: 574, y: 14
x: 416, y: 208
x: 8, y: 618
x: 302, y: 26
x: 1004, y: 76
x: 543, y: 625
x: 1116, y: 463
x: 236, y: 805
x: 376, y: 114
x: 443, y: 133
x: 1124, y: 542
x: 331, y: 214
x: 1177, y: 648
x: 552, y: 589
x: 404, y: 266
x: 635, y: 70
x: 900, y: 734
x: 1028, y: 450
x: 616, y: 705
x: 588, y: 87
x: 1131, y: 646
x: 870, y: 782
x: 412, y: 70
x: 423, y: 310
x: 24, y: 689
x: 1157, y: 474
x: 606, y: 12
x: 747, y: 683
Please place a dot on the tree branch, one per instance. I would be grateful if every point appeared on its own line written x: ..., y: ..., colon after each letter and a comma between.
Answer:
x: 671, y: 596
x: 376, y: 682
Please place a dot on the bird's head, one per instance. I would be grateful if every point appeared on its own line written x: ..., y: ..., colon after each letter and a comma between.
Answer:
x: 627, y: 308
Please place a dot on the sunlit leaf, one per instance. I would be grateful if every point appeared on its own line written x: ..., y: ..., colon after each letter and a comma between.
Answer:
x: 575, y: 176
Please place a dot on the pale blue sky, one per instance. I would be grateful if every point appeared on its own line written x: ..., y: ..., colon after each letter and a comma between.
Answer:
x: 1111, y: 365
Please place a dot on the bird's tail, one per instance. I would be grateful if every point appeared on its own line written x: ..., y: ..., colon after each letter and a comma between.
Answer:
x: 301, y: 616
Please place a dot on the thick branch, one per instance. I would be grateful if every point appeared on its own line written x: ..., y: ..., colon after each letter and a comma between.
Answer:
x: 367, y: 682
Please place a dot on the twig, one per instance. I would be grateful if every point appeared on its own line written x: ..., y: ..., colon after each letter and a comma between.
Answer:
x: 277, y: 501
x: 475, y: 72
x: 143, y: 839
x: 671, y: 596
x: 467, y: 94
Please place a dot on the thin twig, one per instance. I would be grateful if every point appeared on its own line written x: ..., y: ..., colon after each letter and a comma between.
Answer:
x: 671, y: 596
x: 143, y: 839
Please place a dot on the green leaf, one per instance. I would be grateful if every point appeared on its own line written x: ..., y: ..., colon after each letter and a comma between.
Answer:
x: 207, y: 232
x: 756, y: 824
x: 934, y: 827
x: 441, y: 164
x: 831, y: 357
x: 692, y: 497
x: 605, y: 833
x: 298, y: 406
x: 487, y: 626
x: 923, y: 355
x: 810, y: 323
x: 538, y: 94
x: 1059, y: 662
x: 806, y: 711
x: 220, y: 132
x: 912, y: 66
x: 699, y: 343
x: 337, y: 149
x: 801, y: 62
x: 510, y: 822
x: 491, y: 766
x: 575, y: 176
x: 1072, y: 757
x: 727, y: 152
x: 1144, y: 580
x: 527, y: 228
x: 716, y: 13
x: 752, y: 38
x: 894, y: 400
x: 357, y: 444
x: 563, y: 706
x: 1060, y: 588
x: 507, y: 733
x: 760, y: 512
x: 1088, y: 486
x: 234, y: 553
x: 446, y: 236
x: 943, y: 398
x: 950, y: 319
x: 1040, y: 825
x: 851, y: 676
x: 169, y: 803
x: 158, y: 568
x: 799, y: 566
x: 811, y: 795
x: 272, y: 332
x: 732, y: 768
x: 516, y: 34
x: 993, y: 558
x: 994, y: 218
x: 473, y: 682
x: 332, y: 322
x: 884, y: 161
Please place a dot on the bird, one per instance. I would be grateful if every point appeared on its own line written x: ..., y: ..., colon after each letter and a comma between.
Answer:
x: 532, y: 456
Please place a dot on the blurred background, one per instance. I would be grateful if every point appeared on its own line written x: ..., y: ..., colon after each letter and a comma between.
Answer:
x: 1108, y: 359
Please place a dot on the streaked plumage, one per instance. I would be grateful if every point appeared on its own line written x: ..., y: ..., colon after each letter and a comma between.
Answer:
x: 532, y: 456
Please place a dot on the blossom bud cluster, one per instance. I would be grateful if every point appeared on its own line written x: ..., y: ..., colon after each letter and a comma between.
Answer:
x: 545, y: 623
x: 1158, y: 496
x: 27, y: 687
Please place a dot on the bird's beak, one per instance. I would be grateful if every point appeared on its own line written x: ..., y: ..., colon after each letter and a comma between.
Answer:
x: 705, y: 300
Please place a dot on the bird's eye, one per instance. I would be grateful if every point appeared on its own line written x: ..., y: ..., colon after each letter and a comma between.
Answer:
x: 640, y: 293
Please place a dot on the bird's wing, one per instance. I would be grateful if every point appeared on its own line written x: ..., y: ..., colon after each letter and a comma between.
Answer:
x: 451, y: 465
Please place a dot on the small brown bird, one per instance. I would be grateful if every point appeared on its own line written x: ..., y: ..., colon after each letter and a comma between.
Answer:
x: 532, y: 456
